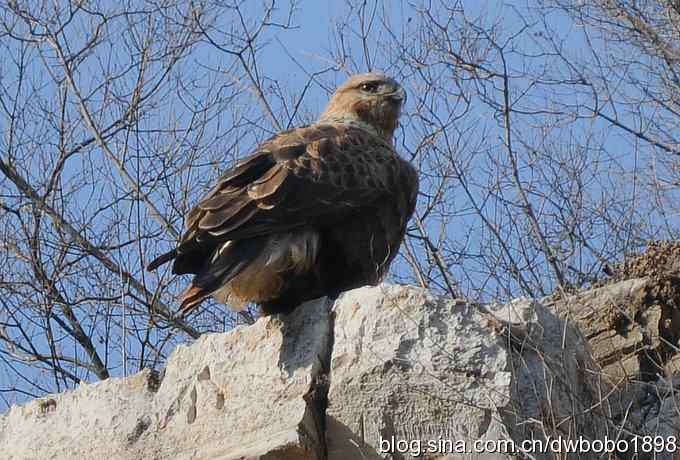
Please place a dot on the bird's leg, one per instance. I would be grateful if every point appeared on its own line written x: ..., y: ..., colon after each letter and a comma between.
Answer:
x: 279, y: 305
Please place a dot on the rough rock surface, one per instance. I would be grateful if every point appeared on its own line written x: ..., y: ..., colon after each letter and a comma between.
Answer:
x: 246, y: 394
x: 632, y: 323
x: 429, y: 373
x: 384, y: 373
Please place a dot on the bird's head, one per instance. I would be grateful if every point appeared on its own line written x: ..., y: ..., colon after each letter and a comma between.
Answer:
x: 371, y: 99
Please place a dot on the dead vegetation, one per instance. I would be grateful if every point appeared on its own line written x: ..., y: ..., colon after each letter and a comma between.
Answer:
x: 660, y: 259
x: 632, y: 319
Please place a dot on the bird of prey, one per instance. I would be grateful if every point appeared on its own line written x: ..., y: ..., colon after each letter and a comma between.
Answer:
x: 314, y: 211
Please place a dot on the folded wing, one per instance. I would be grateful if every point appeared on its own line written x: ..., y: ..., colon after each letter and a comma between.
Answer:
x: 307, y: 176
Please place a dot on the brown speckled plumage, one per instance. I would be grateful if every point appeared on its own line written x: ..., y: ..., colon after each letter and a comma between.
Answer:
x: 313, y: 211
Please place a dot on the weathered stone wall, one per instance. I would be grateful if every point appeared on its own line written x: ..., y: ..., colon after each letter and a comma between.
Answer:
x: 227, y: 396
x: 382, y: 365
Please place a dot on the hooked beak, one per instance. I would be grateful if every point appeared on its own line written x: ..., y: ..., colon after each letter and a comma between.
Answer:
x: 398, y: 95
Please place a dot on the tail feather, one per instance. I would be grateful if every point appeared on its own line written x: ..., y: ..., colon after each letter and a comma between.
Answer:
x: 160, y: 260
x: 233, y: 259
x: 191, y: 298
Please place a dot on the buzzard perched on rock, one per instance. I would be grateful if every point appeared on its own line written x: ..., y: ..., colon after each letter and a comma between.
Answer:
x: 313, y: 211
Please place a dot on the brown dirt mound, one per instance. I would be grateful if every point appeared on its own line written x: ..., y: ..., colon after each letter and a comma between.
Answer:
x: 660, y: 258
x: 660, y: 263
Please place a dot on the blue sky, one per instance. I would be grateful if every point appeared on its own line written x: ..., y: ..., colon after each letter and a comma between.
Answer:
x: 312, y: 44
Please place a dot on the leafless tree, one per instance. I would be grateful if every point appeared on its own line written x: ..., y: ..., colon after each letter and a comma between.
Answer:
x: 546, y: 151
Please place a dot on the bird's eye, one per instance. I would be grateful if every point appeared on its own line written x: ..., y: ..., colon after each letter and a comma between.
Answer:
x: 370, y: 87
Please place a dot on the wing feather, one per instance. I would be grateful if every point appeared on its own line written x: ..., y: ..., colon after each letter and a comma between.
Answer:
x: 220, y: 200
x: 247, y: 170
x: 227, y: 226
x: 301, y: 177
x: 215, y: 218
x: 268, y: 184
